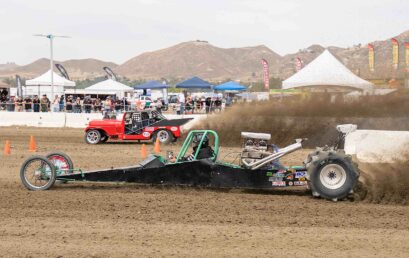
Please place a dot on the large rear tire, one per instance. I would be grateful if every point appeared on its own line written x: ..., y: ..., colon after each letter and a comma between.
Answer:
x: 331, y: 175
x: 37, y: 173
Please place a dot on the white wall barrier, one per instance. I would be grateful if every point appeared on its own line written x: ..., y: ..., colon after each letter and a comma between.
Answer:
x: 80, y: 120
x: 73, y: 120
x: 378, y: 146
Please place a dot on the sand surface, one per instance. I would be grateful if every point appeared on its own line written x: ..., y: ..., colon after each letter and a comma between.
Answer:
x: 128, y: 220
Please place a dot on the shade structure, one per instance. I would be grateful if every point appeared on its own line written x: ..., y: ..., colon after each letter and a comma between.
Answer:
x: 45, y: 80
x: 326, y: 71
x: 194, y: 83
x: 153, y: 85
x: 230, y: 86
x: 109, y: 86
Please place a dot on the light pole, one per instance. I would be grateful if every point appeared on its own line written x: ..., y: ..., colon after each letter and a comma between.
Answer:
x: 51, y: 38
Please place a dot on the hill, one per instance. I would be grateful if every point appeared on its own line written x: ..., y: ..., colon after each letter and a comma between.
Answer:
x: 201, y: 59
x: 78, y: 69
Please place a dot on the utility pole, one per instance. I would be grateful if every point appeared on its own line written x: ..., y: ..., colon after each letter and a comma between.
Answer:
x: 51, y: 38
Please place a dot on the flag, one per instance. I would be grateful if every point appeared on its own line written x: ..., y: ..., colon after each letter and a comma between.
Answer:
x: 298, y: 64
x: 371, y: 57
x: 395, y: 53
x: 19, y: 86
x: 407, y: 56
x: 266, y: 75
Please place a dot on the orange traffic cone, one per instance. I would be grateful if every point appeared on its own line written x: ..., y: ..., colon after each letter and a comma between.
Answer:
x: 7, y: 148
x: 144, y: 154
x: 32, y: 146
x: 156, y: 148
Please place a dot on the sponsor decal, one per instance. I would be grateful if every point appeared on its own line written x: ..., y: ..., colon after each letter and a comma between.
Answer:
x: 290, y: 183
x: 278, y: 183
x: 298, y: 183
x: 269, y: 174
x: 300, y: 174
x: 149, y: 128
x: 146, y: 134
x: 290, y: 177
x: 301, y: 178
x: 173, y: 128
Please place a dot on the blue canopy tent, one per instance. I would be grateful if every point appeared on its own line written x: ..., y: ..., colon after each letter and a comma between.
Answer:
x: 153, y: 85
x: 194, y: 83
x: 230, y: 86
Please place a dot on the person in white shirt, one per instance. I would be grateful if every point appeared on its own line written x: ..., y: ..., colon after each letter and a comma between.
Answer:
x: 181, y: 99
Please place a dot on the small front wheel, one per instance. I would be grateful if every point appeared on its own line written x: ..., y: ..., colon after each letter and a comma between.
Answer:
x: 37, y: 173
x: 92, y: 137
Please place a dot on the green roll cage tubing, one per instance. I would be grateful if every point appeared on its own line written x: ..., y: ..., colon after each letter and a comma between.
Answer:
x: 189, y: 139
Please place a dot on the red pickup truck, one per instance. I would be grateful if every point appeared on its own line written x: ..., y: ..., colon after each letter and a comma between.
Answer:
x: 137, y: 125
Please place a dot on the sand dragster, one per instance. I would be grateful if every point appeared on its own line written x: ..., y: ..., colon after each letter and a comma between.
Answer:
x: 328, y: 172
x: 135, y: 125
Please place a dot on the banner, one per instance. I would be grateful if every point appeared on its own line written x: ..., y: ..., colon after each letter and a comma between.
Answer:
x: 62, y: 71
x: 395, y: 53
x: 298, y: 64
x: 407, y: 56
x: 110, y: 73
x: 266, y: 75
x: 19, y: 86
x: 371, y: 57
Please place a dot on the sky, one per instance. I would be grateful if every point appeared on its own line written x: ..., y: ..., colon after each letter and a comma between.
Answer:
x: 119, y: 30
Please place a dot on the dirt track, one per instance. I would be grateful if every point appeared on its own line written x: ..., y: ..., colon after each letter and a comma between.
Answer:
x: 82, y: 219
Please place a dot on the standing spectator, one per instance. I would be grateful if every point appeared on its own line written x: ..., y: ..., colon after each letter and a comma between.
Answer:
x: 218, y: 104
x: 181, y: 99
x: 3, y: 99
x: 68, y: 104
x: 77, y: 105
x: 118, y: 106
x: 208, y: 103
x: 19, y: 104
x: 61, y: 103
x: 97, y: 105
x: 10, y: 104
x: 36, y: 104
x: 56, y: 104
x: 159, y: 105
x: 107, y: 106
x: 28, y: 104
x: 87, y: 104
x: 44, y: 103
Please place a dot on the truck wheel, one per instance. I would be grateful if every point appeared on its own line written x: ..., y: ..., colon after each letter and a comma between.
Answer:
x: 164, y: 136
x: 92, y: 137
x: 104, y: 138
x: 331, y: 175
x: 37, y: 173
x: 61, y: 161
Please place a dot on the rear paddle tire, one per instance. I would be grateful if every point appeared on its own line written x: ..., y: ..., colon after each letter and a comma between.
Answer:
x: 37, y: 173
x: 93, y: 137
x: 332, y: 175
x: 164, y: 136
x: 61, y: 161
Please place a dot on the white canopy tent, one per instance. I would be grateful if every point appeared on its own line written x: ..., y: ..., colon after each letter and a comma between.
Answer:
x: 42, y: 84
x: 327, y: 72
x: 109, y: 86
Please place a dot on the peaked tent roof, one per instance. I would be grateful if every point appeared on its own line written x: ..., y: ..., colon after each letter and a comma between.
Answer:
x: 194, y: 83
x: 326, y: 70
x: 109, y: 85
x: 45, y: 80
x: 150, y: 85
x: 231, y: 85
